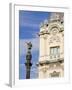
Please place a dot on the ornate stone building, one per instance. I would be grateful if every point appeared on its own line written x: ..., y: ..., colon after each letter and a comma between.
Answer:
x: 51, y: 56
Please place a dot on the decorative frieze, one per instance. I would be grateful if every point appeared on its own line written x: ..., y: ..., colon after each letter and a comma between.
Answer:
x: 54, y: 39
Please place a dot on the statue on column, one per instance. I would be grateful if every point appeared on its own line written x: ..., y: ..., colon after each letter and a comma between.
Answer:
x: 28, y: 59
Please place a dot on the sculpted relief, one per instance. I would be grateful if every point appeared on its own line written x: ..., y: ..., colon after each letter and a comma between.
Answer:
x: 54, y: 39
x: 54, y: 30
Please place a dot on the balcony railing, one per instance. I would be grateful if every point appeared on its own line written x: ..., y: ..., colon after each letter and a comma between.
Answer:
x: 52, y: 57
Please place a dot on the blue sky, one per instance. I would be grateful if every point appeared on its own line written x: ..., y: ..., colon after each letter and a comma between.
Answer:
x: 29, y: 26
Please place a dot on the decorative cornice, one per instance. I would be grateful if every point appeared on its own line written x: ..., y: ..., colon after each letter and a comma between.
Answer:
x: 42, y: 63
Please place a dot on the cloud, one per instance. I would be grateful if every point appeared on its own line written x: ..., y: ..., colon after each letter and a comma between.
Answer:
x: 31, y: 24
x: 23, y: 46
x: 32, y: 18
x: 28, y: 19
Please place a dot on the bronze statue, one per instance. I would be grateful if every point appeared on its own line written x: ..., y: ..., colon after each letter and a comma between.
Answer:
x: 29, y: 45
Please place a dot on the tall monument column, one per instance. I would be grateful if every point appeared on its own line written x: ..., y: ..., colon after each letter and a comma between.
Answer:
x: 28, y: 63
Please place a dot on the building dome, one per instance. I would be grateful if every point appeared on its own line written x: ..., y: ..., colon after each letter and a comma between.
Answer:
x: 56, y: 16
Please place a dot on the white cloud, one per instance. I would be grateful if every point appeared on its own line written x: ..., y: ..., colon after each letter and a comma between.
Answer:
x: 23, y: 46
x: 29, y: 24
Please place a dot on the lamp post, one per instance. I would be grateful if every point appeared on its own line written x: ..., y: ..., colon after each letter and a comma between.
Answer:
x: 28, y: 63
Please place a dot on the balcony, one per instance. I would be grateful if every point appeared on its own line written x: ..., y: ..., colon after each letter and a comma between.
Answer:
x: 52, y: 58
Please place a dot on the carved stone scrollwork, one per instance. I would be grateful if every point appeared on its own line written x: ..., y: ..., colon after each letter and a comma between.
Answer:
x: 44, y: 69
x: 57, y: 39
x: 55, y: 27
x: 54, y: 39
x: 54, y: 31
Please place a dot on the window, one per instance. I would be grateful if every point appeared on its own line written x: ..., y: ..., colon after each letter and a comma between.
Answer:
x: 55, y: 74
x: 54, y: 52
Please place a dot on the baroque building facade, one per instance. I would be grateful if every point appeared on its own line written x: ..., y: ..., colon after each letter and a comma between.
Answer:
x: 51, y: 50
